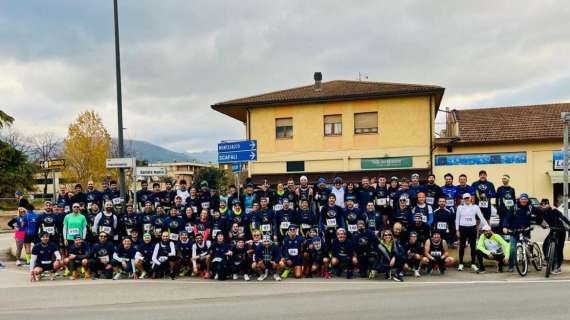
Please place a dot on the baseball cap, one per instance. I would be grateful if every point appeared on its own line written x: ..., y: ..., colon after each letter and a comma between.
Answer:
x: 466, y: 196
x: 524, y: 196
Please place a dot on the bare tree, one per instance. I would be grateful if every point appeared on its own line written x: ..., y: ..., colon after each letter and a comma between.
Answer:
x: 45, y: 147
x: 18, y: 141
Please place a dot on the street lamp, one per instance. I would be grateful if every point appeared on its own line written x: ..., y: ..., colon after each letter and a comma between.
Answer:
x: 119, y: 99
x: 566, y: 118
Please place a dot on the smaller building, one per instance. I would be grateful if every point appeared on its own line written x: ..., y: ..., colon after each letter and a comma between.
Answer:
x: 181, y: 170
x: 521, y: 141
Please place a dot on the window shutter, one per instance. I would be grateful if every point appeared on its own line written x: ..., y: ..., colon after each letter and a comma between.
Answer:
x: 336, y: 118
x: 284, y: 122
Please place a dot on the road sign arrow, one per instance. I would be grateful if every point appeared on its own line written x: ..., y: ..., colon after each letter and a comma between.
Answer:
x: 252, y: 156
x: 252, y: 145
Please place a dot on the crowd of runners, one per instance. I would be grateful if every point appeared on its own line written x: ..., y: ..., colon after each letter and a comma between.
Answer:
x: 383, y: 227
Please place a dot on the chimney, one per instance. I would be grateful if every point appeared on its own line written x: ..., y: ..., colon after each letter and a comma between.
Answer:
x: 318, y: 79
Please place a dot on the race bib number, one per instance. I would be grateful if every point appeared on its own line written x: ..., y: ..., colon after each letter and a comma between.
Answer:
x: 265, y: 227
x: 189, y: 228
x: 484, y: 204
x: 205, y: 205
x: 285, y: 225
x: 50, y: 230
x: 66, y: 209
x: 73, y: 231
x: 435, y: 253
x: 424, y: 218
x: 194, y: 209
x: 106, y: 229
x: 381, y: 202
x: 129, y: 230
x: 352, y: 228
x: 407, y: 201
x: 240, y: 229
x: 430, y: 200
x: 331, y: 222
x: 468, y: 219
x: 117, y: 201
x: 44, y: 262
x: 174, y: 236
x: 507, y: 237
x: 104, y: 259
x: 450, y: 202
x: 509, y: 203
x: 162, y: 259
x: 278, y: 207
x: 89, y: 206
x: 442, y: 226
x: 146, y: 227
x: 356, y: 205
x: 248, y: 210
x: 215, y: 232
x: 305, y: 226
x: 293, y: 252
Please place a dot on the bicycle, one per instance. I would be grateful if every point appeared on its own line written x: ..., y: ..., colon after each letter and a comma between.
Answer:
x: 526, y: 250
x: 551, y: 250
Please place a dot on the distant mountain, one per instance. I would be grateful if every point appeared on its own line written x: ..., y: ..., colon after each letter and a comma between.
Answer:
x: 153, y: 153
x: 204, y: 156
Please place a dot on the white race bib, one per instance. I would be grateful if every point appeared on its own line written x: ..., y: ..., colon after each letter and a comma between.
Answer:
x: 352, y: 228
x: 285, y: 224
x: 218, y: 259
x: 146, y: 227
x: 483, y: 204
x: 240, y: 229
x: 293, y: 251
x: 265, y: 227
x: 509, y: 203
x: 450, y: 202
x: 424, y: 218
x: 162, y: 259
x: 89, y: 206
x: 66, y: 209
x: 174, y: 236
x: 381, y: 202
x: 194, y: 209
x: 117, y: 201
x: 278, y: 207
x: 129, y: 230
x: 44, y: 262
x: 305, y: 226
x: 73, y: 231
x: 106, y: 229
x: 331, y: 222
x: 248, y: 210
x: 50, y: 230
x: 430, y: 200
x: 205, y: 205
x: 189, y: 228
x: 442, y: 226
x: 215, y: 232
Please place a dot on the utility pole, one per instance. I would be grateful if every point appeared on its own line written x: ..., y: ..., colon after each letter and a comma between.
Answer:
x: 119, y: 99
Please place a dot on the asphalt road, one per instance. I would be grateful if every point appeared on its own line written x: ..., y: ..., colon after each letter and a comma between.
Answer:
x: 454, y: 296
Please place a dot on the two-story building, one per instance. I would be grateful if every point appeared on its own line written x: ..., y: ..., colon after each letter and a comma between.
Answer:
x: 340, y: 128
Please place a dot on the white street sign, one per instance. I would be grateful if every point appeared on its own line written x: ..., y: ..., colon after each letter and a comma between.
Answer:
x: 120, y: 163
x: 151, y: 171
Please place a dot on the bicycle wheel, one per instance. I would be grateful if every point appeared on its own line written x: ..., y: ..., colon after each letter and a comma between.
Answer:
x: 521, y: 260
x: 550, y: 258
x: 536, y: 256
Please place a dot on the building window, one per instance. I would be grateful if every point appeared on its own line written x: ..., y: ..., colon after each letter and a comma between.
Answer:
x: 295, y: 166
x: 284, y: 128
x: 333, y: 125
x: 366, y: 122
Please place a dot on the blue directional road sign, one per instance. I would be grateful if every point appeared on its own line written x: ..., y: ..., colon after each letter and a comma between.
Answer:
x: 236, y: 167
x: 238, y: 151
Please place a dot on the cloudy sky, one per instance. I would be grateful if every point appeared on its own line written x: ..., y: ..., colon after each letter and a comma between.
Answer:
x: 179, y: 57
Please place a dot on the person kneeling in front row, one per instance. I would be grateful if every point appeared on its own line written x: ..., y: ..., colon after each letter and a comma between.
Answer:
x: 493, y: 247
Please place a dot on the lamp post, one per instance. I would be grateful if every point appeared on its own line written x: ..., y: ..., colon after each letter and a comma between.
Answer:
x: 119, y: 99
x: 566, y: 118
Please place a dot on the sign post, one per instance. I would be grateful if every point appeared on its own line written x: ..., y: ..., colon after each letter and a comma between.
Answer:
x: 237, y: 152
x: 53, y: 165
